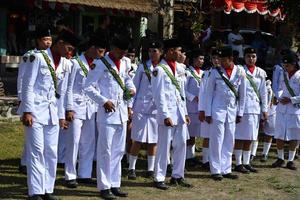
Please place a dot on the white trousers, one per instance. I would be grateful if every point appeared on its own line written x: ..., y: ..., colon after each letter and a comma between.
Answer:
x: 87, y: 147
x: 80, y: 139
x: 61, y: 146
x: 110, y: 150
x: 178, y: 136
x: 24, y: 156
x: 41, y: 145
x: 221, y: 143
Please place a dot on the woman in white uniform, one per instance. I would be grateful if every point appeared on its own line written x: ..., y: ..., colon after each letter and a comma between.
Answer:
x: 269, y: 124
x: 256, y: 103
x: 287, y: 126
x: 192, y: 87
x: 144, y: 125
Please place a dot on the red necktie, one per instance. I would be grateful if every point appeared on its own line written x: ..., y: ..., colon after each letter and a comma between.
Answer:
x: 116, y: 61
x: 251, y: 68
x: 89, y: 60
x: 56, y: 59
x: 172, y: 65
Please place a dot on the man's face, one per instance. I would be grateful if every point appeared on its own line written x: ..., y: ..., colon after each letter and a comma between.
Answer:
x: 198, y: 61
x: 174, y: 53
x: 226, y: 61
x: 250, y: 58
x: 154, y: 54
x: 215, y: 60
x: 289, y: 67
x: 44, y: 43
x: 64, y: 48
x: 131, y: 56
x: 96, y: 52
x: 119, y: 53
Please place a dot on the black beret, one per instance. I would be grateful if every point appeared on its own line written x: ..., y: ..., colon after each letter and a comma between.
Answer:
x: 121, y: 42
x: 68, y: 37
x: 225, y: 51
x: 214, y: 52
x: 98, y: 42
x: 42, y: 31
x: 250, y: 50
x: 171, y: 43
x: 197, y: 52
x: 155, y: 45
x: 290, y: 58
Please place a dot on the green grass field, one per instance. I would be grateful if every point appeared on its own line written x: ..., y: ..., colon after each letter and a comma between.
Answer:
x: 269, y: 183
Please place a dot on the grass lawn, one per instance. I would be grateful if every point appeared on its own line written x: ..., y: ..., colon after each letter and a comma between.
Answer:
x: 267, y: 184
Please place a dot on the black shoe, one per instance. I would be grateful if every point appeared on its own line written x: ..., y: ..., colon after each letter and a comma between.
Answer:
x: 217, y: 177
x: 296, y: 156
x: 206, y: 166
x: 250, y: 168
x: 252, y: 157
x: 180, y: 182
x: 71, y: 183
x: 35, y: 197
x: 264, y: 158
x: 291, y: 165
x: 192, y: 162
x: 161, y: 185
x: 131, y: 174
x: 230, y: 176
x: 49, y: 196
x: 169, y: 168
x: 85, y: 181
x: 23, y: 169
x: 241, y: 169
x: 278, y: 163
x: 118, y: 192
x: 150, y: 174
x: 107, y: 195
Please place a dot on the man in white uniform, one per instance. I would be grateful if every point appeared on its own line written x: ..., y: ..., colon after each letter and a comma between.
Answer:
x: 115, y: 89
x: 172, y: 117
x: 43, y: 42
x: 43, y: 89
x: 225, y: 102
x: 81, y: 111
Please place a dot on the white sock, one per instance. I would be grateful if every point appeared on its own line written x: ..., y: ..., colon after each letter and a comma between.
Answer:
x: 205, y: 157
x: 292, y: 155
x: 254, y: 146
x: 238, y: 156
x: 151, y: 160
x: 190, y: 151
x: 246, y: 157
x: 132, y: 161
x: 280, y: 154
x: 267, y: 147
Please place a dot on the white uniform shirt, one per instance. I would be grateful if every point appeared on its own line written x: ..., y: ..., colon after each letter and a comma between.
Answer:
x: 294, y: 83
x: 39, y: 91
x: 77, y: 100
x: 143, y: 101
x: 277, y: 73
x: 166, y: 97
x: 253, y: 104
x: 202, y: 90
x: 101, y: 86
x: 221, y: 103
x: 192, y: 88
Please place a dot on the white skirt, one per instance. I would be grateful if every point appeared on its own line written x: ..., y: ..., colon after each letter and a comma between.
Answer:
x: 144, y: 128
x: 204, y: 130
x: 247, y: 129
x: 287, y: 126
x: 195, y: 127
x: 269, y: 128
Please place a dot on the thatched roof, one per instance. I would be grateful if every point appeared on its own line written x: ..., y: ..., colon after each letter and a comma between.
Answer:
x: 144, y: 6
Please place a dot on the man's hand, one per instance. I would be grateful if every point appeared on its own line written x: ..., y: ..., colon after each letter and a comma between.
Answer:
x: 63, y: 124
x: 238, y: 119
x: 196, y: 99
x: 201, y: 116
x: 187, y: 120
x: 27, y: 119
x: 70, y: 115
x: 109, y: 107
x: 168, y: 122
x: 265, y: 116
x: 130, y: 112
x: 285, y: 100
x: 208, y: 119
x: 132, y: 92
